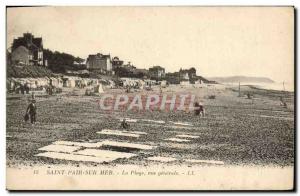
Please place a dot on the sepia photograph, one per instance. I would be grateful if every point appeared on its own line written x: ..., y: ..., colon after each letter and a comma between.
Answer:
x: 150, y: 98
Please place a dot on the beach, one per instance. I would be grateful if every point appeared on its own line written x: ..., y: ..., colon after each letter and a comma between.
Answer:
x: 235, y: 130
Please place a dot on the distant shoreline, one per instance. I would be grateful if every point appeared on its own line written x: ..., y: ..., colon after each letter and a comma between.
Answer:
x: 267, y: 89
x: 264, y: 86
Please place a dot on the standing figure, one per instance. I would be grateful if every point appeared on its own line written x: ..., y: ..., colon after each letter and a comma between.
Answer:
x: 22, y: 89
x: 31, y: 110
x: 26, y: 88
x: 32, y: 96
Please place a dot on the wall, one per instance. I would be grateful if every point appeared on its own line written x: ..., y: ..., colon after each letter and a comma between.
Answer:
x: 20, y: 54
x: 97, y: 63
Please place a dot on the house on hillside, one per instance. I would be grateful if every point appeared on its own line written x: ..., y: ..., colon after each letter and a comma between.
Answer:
x: 173, y: 78
x: 116, y: 65
x: 116, y: 62
x: 157, y: 72
x: 79, y: 64
x: 184, y: 75
x: 79, y: 61
x: 141, y: 73
x: 125, y: 70
x: 99, y: 63
x: 129, y: 66
x: 27, y: 50
x: 188, y: 74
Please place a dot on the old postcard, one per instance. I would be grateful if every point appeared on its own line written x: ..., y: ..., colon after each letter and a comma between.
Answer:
x: 150, y: 98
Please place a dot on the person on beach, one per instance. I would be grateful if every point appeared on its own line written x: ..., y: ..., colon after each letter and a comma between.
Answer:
x: 199, y: 109
x: 282, y: 102
x: 124, y: 124
x: 32, y: 96
x: 31, y: 111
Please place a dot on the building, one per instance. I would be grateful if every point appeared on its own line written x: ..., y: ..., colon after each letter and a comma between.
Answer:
x: 157, y: 72
x: 129, y: 66
x: 140, y: 73
x: 21, y: 56
x: 192, y: 73
x: 116, y: 62
x: 27, y: 50
x: 184, y: 74
x: 173, y: 78
x: 79, y: 64
x: 99, y: 63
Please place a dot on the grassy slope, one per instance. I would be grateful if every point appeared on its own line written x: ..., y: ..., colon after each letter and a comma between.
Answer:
x: 28, y: 71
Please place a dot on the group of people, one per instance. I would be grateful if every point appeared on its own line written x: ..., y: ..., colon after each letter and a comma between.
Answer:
x: 24, y: 88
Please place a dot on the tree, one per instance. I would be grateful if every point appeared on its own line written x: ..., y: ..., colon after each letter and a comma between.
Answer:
x: 192, y: 70
x: 60, y: 62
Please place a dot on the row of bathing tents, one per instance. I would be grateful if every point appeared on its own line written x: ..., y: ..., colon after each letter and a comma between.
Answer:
x: 58, y: 82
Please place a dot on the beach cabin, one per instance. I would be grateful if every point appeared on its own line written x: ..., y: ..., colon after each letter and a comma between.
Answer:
x: 53, y: 81
x: 72, y: 83
x: 150, y: 82
x: 10, y: 84
x: 56, y: 82
x: 69, y: 82
x: 112, y: 84
x: 142, y: 84
x: 98, y: 88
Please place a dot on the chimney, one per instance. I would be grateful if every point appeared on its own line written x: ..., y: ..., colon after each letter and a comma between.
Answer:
x: 28, y: 37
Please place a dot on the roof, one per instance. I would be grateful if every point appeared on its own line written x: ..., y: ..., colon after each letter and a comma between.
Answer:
x: 38, y: 42
x: 144, y: 71
x: 99, y: 56
x: 156, y: 68
x: 184, y: 71
x: 32, y: 43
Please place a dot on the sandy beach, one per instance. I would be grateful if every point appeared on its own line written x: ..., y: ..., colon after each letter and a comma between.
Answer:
x: 235, y: 130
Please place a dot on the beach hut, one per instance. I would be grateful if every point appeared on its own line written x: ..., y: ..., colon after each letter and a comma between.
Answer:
x: 142, y: 84
x: 112, y: 84
x: 72, y: 83
x: 98, y: 88
x: 94, y: 82
x: 10, y: 84
x: 59, y: 83
x: 31, y: 83
x: 84, y: 82
x: 69, y: 82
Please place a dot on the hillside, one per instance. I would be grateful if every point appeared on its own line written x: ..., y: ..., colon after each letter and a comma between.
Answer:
x: 29, y: 71
x: 242, y: 79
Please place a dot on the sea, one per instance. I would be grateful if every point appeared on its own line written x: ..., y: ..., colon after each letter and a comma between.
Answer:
x: 286, y: 86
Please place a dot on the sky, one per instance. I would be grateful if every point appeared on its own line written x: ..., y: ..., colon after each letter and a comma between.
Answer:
x: 217, y: 41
